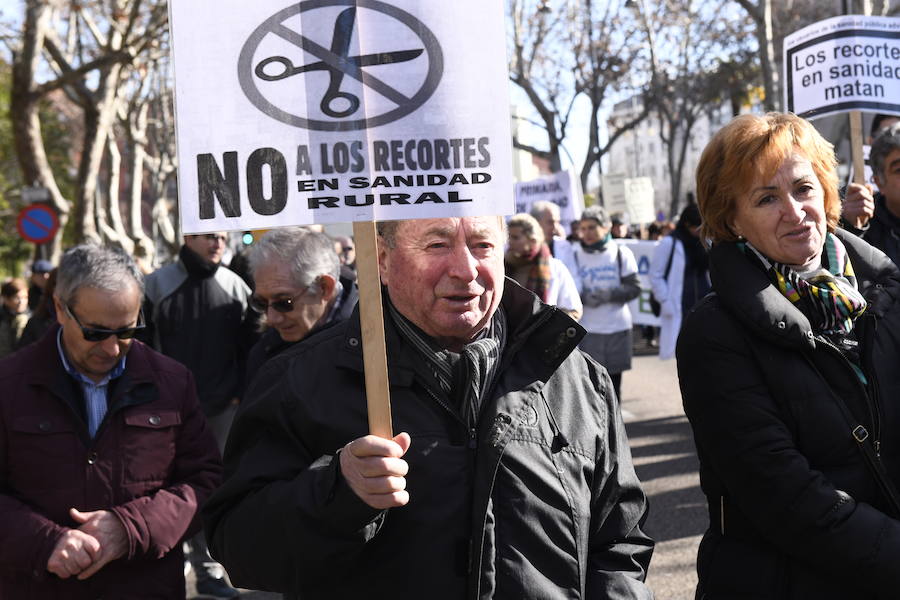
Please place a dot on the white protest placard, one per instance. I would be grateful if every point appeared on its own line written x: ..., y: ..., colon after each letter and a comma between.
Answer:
x: 292, y: 113
x: 641, y: 313
x: 630, y: 195
x: 639, y: 198
x: 562, y: 189
x: 614, y: 197
x: 842, y: 64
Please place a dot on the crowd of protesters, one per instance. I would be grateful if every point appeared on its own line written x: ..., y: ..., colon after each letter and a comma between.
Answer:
x: 511, y: 475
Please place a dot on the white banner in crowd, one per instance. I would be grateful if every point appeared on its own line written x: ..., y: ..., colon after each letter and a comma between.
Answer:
x: 321, y: 111
x: 562, y: 189
x: 630, y: 195
x: 842, y: 64
x: 640, y: 306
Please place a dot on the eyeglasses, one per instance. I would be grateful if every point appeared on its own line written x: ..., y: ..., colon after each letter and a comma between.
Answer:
x: 284, y: 305
x: 212, y: 237
x: 96, y: 334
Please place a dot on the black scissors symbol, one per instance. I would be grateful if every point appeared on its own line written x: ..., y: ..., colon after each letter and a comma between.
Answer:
x: 340, y: 48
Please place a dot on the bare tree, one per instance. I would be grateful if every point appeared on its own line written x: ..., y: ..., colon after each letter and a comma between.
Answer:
x: 686, y: 43
x: 25, y: 97
x: 149, y: 132
x: 761, y: 13
x: 604, y: 41
x: 541, y: 66
x: 87, y: 46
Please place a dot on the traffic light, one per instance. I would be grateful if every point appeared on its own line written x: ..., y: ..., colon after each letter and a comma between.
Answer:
x: 249, y: 237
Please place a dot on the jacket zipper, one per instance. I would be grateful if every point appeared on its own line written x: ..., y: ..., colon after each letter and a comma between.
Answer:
x: 470, y: 431
x: 871, y: 403
x: 873, y: 383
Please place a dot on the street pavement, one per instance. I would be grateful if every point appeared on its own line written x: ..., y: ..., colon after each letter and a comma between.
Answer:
x: 666, y: 463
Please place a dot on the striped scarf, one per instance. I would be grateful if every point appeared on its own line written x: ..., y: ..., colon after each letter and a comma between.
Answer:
x: 828, y: 296
x: 466, y: 377
x: 539, y: 271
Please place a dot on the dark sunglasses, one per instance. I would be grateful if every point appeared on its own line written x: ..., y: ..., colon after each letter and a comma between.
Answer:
x: 95, y: 334
x: 285, y: 305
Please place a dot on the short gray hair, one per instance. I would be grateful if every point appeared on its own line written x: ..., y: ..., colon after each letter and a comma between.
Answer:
x: 542, y: 207
x: 308, y: 254
x: 886, y: 142
x: 597, y: 213
x: 98, y: 267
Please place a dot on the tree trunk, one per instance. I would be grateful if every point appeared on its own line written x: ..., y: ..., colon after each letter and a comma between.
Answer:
x: 762, y: 16
x: 593, y: 151
x: 98, y: 122
x: 109, y: 215
x: 137, y: 138
x: 26, y: 125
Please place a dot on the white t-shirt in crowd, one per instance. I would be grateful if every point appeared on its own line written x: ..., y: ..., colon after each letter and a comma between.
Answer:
x: 600, y: 270
x: 562, y: 292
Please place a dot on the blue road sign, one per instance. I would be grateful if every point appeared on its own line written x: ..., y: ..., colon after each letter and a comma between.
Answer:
x: 38, y: 223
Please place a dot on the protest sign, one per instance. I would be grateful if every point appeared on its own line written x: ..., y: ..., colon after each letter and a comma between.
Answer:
x: 641, y: 314
x: 562, y: 189
x: 323, y: 111
x: 842, y: 64
x: 630, y: 195
x: 339, y: 110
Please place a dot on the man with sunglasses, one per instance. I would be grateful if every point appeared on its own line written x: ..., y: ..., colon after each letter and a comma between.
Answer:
x: 105, y: 455
x: 198, y: 313
x: 299, y: 289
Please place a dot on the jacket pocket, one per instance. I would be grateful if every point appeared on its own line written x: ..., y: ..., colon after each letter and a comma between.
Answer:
x: 148, y: 444
x: 42, y: 453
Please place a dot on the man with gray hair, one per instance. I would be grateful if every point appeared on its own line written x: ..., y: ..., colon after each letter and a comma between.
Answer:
x: 883, y: 228
x: 298, y: 288
x: 510, y: 474
x: 547, y: 214
x: 105, y: 455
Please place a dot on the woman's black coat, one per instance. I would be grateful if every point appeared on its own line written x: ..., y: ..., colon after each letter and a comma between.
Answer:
x: 795, y: 512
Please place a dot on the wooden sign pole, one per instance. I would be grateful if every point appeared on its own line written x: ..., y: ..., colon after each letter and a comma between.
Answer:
x: 856, y: 131
x: 856, y: 147
x: 371, y: 321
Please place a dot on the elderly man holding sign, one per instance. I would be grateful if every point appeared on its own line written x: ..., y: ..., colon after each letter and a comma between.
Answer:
x: 511, y: 476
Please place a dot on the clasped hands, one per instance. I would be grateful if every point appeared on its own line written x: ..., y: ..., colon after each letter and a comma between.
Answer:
x: 594, y: 298
x: 99, y: 539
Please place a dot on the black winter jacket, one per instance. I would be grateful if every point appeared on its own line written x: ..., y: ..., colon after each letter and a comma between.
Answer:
x: 883, y: 230
x: 198, y: 313
x: 540, y: 502
x: 795, y: 513
x: 270, y: 343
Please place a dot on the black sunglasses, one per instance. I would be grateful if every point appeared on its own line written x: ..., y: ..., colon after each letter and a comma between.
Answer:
x: 96, y: 334
x: 284, y: 305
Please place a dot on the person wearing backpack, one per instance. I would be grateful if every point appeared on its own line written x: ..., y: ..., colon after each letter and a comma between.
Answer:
x: 679, y: 275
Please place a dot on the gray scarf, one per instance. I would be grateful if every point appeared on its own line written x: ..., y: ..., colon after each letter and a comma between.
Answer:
x: 466, y: 377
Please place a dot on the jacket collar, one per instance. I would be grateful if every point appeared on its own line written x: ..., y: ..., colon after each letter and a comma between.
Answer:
x: 543, y: 335
x: 883, y: 213
x: 195, y: 265
x: 747, y: 292
x: 878, y: 276
x: 46, y: 368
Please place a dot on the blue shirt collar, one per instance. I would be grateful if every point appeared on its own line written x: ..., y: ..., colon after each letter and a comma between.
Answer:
x: 116, y: 371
